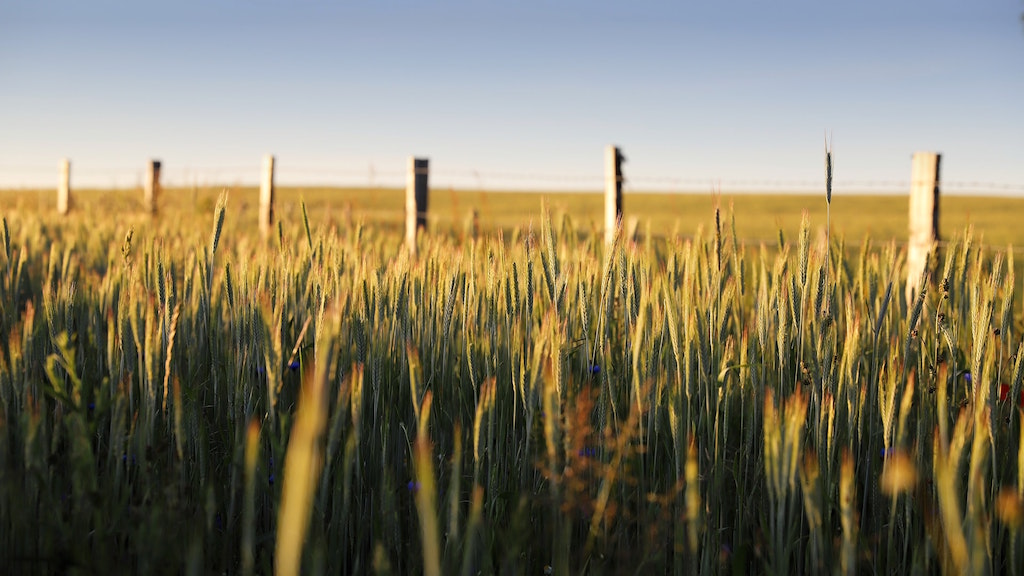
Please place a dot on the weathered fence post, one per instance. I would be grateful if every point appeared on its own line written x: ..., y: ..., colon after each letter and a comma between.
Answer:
x: 416, y: 191
x: 924, y: 216
x: 64, y: 188
x: 267, y: 195
x: 151, y: 186
x: 613, y: 160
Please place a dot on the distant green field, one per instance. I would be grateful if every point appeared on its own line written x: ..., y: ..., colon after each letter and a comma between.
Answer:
x: 759, y: 217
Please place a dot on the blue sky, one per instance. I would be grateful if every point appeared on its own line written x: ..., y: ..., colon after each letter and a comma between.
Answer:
x: 512, y: 95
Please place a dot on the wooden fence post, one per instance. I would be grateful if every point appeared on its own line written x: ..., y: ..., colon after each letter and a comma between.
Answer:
x: 64, y: 188
x: 267, y: 195
x: 416, y: 191
x: 613, y: 160
x: 151, y: 186
x: 924, y: 217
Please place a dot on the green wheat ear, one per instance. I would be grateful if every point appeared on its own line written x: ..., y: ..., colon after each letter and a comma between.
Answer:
x: 828, y: 169
x: 7, y: 242
x: 828, y: 214
x: 305, y: 224
x: 228, y: 285
x: 126, y: 247
x: 218, y: 224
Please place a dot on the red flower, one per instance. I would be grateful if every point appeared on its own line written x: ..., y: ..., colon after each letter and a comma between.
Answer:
x: 1004, y: 392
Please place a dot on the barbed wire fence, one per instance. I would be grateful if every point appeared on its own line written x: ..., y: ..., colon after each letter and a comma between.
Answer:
x: 42, y: 178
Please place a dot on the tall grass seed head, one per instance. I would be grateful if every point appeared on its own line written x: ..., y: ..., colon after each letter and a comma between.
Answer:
x: 828, y: 172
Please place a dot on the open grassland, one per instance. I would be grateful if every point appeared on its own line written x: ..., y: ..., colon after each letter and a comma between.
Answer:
x: 179, y: 395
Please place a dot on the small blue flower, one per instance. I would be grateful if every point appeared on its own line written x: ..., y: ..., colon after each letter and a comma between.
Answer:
x: 270, y: 479
x: 92, y: 406
x: 261, y: 369
x: 967, y: 377
x: 293, y: 365
x: 888, y: 452
x: 595, y: 369
x: 412, y: 486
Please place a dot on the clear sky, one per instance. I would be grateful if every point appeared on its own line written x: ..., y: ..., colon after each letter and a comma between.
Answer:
x: 512, y: 94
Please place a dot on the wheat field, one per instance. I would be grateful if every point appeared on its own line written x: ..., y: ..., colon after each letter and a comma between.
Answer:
x: 179, y: 394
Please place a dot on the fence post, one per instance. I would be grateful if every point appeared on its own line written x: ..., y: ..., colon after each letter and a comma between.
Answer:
x: 613, y: 160
x: 416, y: 191
x: 924, y: 216
x: 151, y: 186
x: 64, y: 187
x: 267, y: 195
